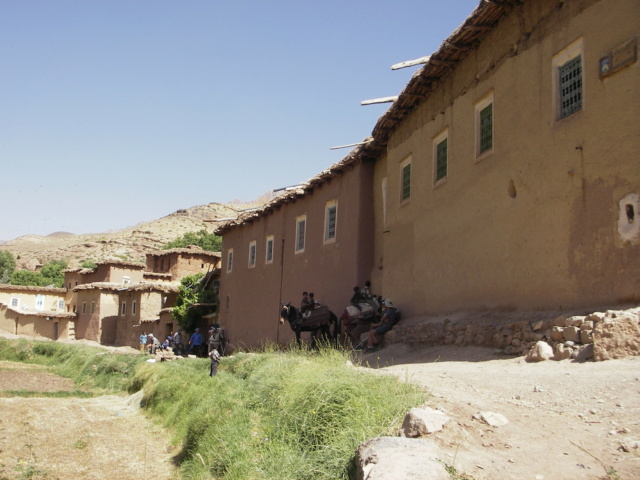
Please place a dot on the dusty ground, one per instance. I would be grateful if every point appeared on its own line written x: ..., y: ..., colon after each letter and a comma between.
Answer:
x: 566, y: 420
x: 71, y: 438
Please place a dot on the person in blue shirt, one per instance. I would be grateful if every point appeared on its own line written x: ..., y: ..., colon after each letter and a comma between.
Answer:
x: 143, y: 342
x: 195, y: 343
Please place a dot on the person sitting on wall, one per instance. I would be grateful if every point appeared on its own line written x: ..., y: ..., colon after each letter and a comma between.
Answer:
x: 387, y: 321
x: 167, y: 343
x: 152, y: 344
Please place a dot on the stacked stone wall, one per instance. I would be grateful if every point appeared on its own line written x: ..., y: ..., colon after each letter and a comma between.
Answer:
x: 599, y: 335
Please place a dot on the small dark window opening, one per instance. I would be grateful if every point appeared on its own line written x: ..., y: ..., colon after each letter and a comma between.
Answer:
x: 631, y: 213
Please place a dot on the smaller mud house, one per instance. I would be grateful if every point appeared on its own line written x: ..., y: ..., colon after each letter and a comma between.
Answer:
x: 116, y: 313
x: 35, y: 311
x: 177, y: 263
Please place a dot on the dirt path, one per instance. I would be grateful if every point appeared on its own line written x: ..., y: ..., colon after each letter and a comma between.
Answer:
x: 71, y: 438
x: 567, y: 420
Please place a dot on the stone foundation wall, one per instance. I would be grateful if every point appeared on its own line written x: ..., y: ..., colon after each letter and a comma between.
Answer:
x: 599, y: 335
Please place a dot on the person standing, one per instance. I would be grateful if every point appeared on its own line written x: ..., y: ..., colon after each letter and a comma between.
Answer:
x: 143, y: 341
x: 215, y: 360
x: 195, y: 343
x: 178, y: 348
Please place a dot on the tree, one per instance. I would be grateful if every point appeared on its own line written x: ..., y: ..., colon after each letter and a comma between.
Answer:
x: 89, y: 264
x: 192, y: 292
x: 203, y: 239
x: 7, y: 265
x: 51, y: 273
x: 26, y: 277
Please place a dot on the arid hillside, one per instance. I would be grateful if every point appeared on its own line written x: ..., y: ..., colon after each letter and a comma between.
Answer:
x: 129, y: 244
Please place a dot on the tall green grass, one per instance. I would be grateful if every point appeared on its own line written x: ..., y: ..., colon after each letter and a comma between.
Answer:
x: 89, y: 367
x: 273, y: 415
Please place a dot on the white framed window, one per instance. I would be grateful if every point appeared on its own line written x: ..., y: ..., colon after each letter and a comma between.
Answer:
x: 301, y: 231
x: 15, y: 302
x: 123, y: 308
x: 268, y: 258
x: 567, y: 81
x: 60, y: 304
x: 330, y: 221
x: 84, y: 307
x: 405, y: 180
x: 126, y: 280
x: 440, y: 157
x: 133, y: 308
x: 39, y: 302
x: 484, y: 113
x: 230, y: 260
x: 252, y: 254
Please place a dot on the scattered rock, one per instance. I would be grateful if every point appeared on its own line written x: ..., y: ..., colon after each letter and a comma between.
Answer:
x: 539, y: 352
x: 423, y: 421
x: 492, y: 419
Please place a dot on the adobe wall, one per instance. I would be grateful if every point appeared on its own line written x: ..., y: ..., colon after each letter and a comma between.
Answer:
x: 250, y: 296
x: 538, y: 224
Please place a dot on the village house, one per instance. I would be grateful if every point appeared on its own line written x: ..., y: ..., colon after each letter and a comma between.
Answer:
x: 35, y: 311
x: 503, y: 177
x: 177, y: 263
x: 112, y: 303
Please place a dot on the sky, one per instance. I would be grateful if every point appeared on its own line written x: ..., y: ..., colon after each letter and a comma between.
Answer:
x: 122, y: 111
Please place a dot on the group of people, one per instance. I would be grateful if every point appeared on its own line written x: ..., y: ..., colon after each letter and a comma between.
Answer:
x: 195, y: 345
x: 308, y: 302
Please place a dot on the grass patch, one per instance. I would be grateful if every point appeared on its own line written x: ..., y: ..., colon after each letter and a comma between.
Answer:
x: 294, y: 415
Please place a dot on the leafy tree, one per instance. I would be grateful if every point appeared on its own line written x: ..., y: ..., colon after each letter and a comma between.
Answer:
x: 203, y: 239
x: 192, y: 292
x: 51, y: 273
x: 26, y: 277
x: 7, y: 265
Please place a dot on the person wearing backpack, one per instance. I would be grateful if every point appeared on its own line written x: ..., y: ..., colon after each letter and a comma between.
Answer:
x: 215, y: 360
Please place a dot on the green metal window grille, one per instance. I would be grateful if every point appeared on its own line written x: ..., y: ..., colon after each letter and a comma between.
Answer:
x: 570, y: 86
x: 486, y: 128
x: 441, y: 159
x: 270, y: 250
x: 300, y: 234
x: 331, y: 221
x: 406, y: 181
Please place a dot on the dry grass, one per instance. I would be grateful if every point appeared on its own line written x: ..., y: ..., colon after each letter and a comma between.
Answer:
x: 75, y: 438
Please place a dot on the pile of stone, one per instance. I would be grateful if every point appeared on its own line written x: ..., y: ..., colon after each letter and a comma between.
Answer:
x: 599, y: 335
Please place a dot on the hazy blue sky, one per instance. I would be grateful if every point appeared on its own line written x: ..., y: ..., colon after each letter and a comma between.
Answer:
x: 115, y: 112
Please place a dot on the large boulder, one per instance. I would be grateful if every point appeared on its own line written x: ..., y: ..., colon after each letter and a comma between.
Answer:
x: 616, y: 337
x: 399, y: 458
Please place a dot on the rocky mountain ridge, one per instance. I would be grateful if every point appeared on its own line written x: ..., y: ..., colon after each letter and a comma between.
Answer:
x: 129, y: 244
